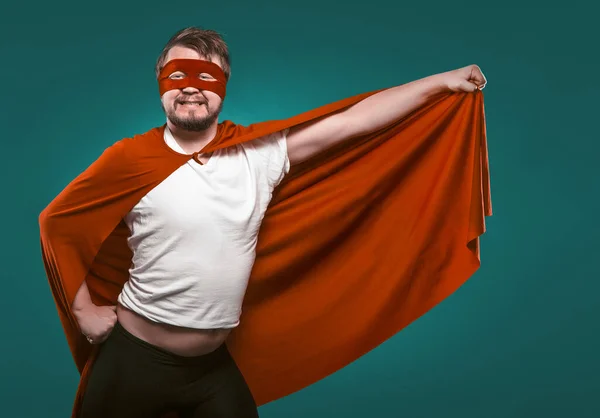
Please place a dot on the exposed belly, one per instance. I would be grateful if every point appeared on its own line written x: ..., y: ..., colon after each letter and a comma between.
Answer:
x: 181, y: 341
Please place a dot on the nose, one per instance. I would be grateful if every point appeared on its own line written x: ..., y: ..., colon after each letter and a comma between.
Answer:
x: 190, y: 90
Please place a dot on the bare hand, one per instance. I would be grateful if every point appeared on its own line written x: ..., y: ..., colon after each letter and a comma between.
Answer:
x: 467, y: 79
x: 96, y: 322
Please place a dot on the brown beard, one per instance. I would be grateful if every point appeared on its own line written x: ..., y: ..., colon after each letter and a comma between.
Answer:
x: 193, y: 124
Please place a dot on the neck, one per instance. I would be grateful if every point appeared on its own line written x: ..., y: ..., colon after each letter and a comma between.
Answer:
x: 193, y: 141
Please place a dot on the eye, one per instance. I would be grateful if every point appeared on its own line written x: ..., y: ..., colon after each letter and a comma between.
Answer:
x: 177, y: 75
x: 206, y: 76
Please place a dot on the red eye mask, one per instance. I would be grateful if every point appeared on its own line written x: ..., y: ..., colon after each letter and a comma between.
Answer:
x: 192, y: 69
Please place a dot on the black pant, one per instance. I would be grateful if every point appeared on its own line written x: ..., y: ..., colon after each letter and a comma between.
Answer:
x: 134, y: 379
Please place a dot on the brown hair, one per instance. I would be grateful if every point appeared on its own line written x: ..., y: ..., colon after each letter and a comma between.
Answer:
x: 207, y: 43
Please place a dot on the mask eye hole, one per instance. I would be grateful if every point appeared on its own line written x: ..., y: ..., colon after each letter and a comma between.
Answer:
x: 206, y: 77
x: 177, y: 75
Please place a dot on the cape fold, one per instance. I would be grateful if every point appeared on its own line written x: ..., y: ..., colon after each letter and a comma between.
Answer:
x: 357, y: 243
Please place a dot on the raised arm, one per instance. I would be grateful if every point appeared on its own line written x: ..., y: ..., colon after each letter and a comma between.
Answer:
x: 378, y: 111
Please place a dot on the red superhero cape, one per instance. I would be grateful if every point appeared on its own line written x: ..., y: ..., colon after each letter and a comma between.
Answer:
x: 357, y: 243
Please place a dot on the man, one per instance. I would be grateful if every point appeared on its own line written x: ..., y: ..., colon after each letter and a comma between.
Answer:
x: 193, y: 239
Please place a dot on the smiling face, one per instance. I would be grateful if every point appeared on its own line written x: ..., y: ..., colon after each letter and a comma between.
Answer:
x: 190, y: 108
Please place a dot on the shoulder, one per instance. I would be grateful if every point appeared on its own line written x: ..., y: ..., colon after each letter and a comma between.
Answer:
x: 268, y: 146
x: 272, y: 149
x: 270, y: 142
x: 140, y: 145
x: 139, y: 139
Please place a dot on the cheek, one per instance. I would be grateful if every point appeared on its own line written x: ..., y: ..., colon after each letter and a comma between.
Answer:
x: 168, y: 99
x: 213, y: 98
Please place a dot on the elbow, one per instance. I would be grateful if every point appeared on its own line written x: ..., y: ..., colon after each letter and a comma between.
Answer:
x: 46, y: 219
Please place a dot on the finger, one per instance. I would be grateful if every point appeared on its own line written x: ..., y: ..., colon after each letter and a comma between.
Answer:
x: 105, y: 336
x: 100, y: 338
x: 114, y: 308
x: 468, y: 86
x: 479, y: 79
x: 480, y: 82
x: 476, y: 75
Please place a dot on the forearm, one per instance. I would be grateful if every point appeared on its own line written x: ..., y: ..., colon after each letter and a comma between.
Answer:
x: 95, y: 322
x: 82, y: 299
x: 386, y: 107
x: 377, y: 111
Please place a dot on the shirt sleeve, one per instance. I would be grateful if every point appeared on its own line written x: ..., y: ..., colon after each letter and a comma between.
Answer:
x: 274, y: 154
x: 279, y: 163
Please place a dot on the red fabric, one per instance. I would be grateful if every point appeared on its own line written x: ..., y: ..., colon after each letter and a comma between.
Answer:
x: 357, y: 243
x: 191, y: 69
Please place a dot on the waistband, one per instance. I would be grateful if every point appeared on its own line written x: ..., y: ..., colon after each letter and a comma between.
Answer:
x: 219, y: 354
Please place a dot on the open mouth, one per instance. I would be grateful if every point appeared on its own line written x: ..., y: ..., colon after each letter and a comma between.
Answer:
x: 191, y: 103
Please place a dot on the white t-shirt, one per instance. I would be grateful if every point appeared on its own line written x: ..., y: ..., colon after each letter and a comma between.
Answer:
x: 194, y: 235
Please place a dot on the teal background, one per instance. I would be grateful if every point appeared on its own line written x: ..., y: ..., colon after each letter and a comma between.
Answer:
x: 520, y: 339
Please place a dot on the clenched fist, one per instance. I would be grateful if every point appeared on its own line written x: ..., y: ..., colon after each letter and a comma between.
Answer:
x: 96, y: 322
x: 466, y: 79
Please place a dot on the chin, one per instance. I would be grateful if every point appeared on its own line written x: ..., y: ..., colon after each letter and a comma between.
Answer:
x: 187, y: 110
